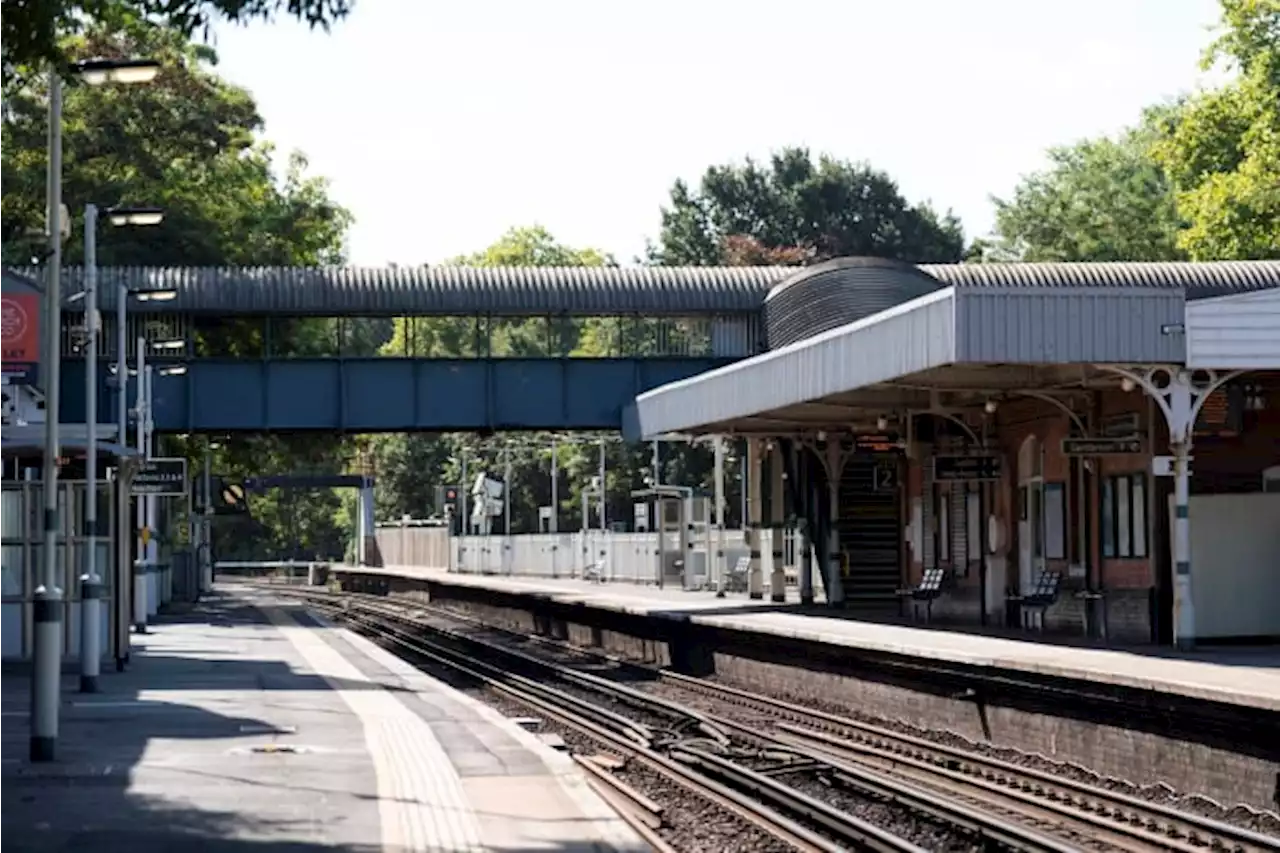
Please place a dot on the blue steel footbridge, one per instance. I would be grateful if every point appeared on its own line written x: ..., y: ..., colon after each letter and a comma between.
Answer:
x: 426, y: 349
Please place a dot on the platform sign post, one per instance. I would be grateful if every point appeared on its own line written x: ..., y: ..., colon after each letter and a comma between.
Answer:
x: 1101, y: 446
x: 161, y: 478
x: 971, y: 468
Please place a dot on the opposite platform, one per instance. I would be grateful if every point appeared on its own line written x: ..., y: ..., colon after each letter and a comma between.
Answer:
x: 249, y: 724
x: 1244, y: 677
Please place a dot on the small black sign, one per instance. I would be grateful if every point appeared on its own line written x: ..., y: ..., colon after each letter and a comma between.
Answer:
x: 953, y: 468
x: 161, y: 477
x: 1100, y: 446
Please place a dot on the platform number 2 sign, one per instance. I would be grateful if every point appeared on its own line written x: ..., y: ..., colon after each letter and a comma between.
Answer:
x: 885, y: 477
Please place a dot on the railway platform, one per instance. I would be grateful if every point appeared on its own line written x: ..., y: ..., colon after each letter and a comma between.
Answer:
x: 250, y: 724
x: 1248, y: 677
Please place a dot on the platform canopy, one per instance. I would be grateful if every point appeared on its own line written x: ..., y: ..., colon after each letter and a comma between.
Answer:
x: 24, y: 440
x: 963, y: 344
x: 1236, y: 332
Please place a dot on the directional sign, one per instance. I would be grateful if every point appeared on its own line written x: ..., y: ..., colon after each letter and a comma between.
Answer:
x: 1100, y: 446
x: 161, y: 477
x: 959, y: 468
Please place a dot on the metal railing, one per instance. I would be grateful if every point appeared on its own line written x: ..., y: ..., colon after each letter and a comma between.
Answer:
x: 593, y: 554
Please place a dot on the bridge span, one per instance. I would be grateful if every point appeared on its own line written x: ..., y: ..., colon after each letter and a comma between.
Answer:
x: 431, y: 349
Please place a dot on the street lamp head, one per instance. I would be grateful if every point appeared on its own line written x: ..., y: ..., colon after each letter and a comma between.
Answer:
x: 173, y: 370
x: 170, y: 344
x: 144, y: 216
x: 162, y: 295
x: 97, y: 72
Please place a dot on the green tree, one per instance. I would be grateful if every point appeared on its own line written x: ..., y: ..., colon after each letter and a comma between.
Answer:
x: 1101, y: 199
x: 819, y: 209
x: 33, y: 31
x: 409, y: 467
x: 191, y: 143
x: 465, y: 337
x: 1221, y: 148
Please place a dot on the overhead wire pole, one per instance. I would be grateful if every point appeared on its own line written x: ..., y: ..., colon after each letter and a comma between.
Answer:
x: 553, y: 523
x: 603, y: 489
x: 47, y: 596
x: 506, y: 508
x: 718, y: 496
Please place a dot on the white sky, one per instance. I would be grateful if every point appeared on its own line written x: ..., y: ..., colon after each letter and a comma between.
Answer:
x: 442, y: 123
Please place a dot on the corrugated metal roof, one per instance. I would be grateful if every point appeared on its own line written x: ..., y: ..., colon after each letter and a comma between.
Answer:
x: 299, y: 291
x: 338, y: 291
x: 1201, y: 280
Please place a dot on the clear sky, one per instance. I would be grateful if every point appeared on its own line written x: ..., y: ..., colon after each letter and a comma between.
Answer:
x: 441, y: 123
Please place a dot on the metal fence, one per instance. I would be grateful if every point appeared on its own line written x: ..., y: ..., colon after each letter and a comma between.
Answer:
x: 593, y: 554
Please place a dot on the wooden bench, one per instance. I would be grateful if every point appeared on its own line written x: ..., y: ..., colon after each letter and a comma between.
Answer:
x: 927, y: 591
x: 1043, y: 595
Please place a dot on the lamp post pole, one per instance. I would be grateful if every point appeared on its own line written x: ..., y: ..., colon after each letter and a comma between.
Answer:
x: 90, y: 583
x: 47, y: 596
x: 139, y: 564
x: 152, y: 517
x: 206, y: 533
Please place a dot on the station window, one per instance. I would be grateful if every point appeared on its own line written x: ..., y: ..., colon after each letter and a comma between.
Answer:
x: 1124, y: 516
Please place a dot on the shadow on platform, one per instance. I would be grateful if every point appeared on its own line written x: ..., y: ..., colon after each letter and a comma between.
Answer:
x: 93, y: 799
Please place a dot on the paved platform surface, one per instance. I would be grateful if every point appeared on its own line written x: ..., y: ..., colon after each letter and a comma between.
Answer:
x: 250, y: 725
x: 1241, y: 676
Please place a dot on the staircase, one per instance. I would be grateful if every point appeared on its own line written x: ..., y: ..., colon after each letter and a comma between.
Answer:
x: 870, y: 527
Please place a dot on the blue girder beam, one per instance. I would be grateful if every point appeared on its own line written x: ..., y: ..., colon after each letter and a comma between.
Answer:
x: 394, y: 394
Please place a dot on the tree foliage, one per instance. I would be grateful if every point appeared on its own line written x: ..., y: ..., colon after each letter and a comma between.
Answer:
x: 1221, y: 148
x: 34, y: 31
x: 190, y: 143
x: 1100, y: 200
x: 813, y: 209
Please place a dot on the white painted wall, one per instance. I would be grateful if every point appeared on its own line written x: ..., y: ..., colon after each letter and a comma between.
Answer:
x: 1235, y: 560
x: 1241, y: 331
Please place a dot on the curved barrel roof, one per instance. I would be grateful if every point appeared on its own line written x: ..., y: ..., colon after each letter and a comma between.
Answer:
x: 345, y: 291
x: 531, y: 291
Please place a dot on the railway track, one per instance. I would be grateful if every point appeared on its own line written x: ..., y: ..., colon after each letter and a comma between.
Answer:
x: 1041, y: 798
x: 998, y: 804
x: 765, y: 809
x: 1123, y: 821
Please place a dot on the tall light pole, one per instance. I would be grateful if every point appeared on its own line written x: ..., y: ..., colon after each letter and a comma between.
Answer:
x: 90, y: 583
x: 206, y: 532
x: 139, y: 564
x: 46, y: 654
x: 92, y: 590
x: 47, y: 596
